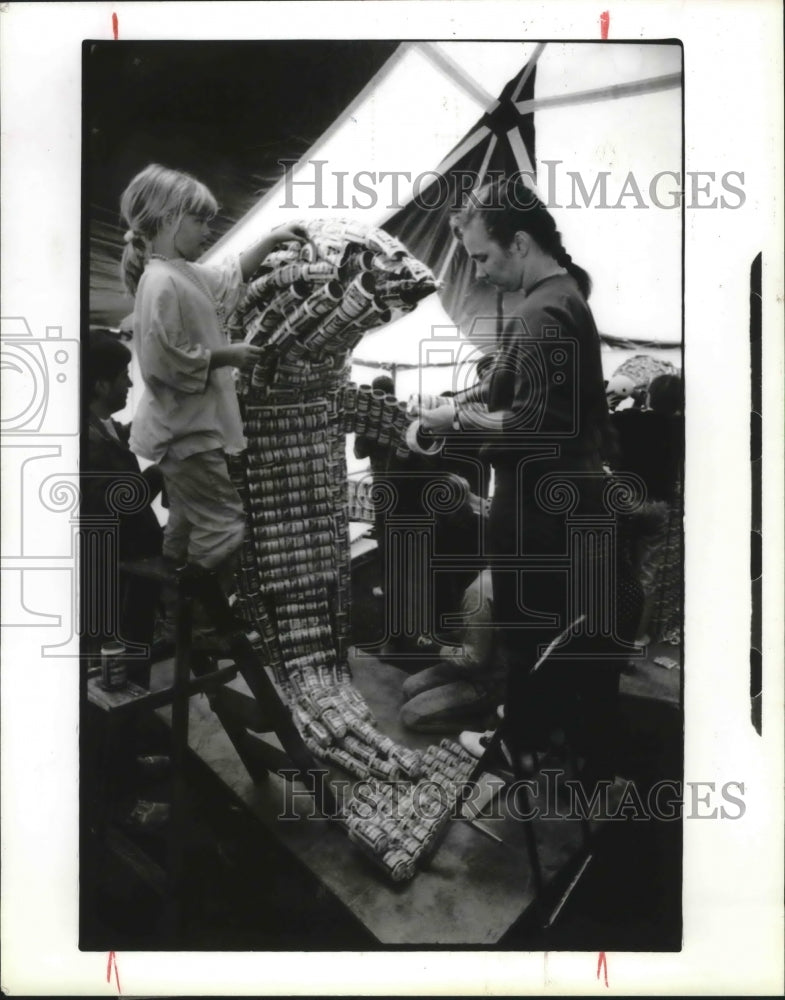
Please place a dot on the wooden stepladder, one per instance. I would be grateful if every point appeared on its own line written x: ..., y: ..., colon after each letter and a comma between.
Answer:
x: 204, y: 667
x: 266, y: 712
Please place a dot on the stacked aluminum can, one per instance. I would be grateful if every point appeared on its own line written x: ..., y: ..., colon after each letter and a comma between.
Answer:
x: 376, y: 416
x: 396, y: 822
x: 307, y: 309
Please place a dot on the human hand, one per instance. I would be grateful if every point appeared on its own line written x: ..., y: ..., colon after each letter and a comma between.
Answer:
x: 245, y: 354
x: 479, y: 505
x: 419, y: 403
x: 235, y: 355
x: 287, y: 233
x: 438, y: 420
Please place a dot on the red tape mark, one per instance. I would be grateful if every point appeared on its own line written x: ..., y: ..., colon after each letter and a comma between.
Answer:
x: 113, y: 962
x: 115, y: 27
x: 605, y: 23
x: 602, y: 965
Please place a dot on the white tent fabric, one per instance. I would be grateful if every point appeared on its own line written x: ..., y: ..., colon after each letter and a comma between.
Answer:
x: 430, y: 94
x: 427, y: 97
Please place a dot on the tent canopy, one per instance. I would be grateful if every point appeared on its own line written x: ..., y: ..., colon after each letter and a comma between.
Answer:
x: 390, y: 118
x: 227, y: 112
x: 602, y: 115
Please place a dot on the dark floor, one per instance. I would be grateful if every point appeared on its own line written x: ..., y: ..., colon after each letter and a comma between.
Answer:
x: 245, y: 892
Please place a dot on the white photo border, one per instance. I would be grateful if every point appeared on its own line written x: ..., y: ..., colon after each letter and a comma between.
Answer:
x: 732, y: 870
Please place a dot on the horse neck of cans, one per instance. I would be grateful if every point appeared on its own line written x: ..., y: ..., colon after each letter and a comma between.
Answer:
x: 307, y: 311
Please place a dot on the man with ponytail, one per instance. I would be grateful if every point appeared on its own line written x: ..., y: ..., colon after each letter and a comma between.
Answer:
x: 540, y: 411
x: 188, y: 419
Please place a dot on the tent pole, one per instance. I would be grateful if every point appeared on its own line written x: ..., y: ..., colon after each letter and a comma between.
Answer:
x: 649, y: 86
x: 538, y: 51
x: 459, y: 75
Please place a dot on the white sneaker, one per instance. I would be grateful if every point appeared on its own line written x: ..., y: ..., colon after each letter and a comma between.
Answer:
x: 475, y: 743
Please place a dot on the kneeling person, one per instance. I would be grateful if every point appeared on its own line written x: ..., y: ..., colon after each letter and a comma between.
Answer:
x: 468, y: 681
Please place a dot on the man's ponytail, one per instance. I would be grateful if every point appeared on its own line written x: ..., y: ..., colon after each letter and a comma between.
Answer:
x: 563, y: 259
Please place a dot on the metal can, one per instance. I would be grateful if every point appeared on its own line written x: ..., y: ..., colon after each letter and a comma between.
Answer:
x: 399, y: 865
x: 410, y: 764
x: 332, y: 721
x: 368, y: 834
x: 362, y: 261
x: 457, y: 751
x: 390, y: 827
x: 358, y: 749
x: 364, y: 392
x: 318, y: 732
x: 407, y: 843
x: 255, y: 640
x: 375, y: 410
x: 381, y: 241
x: 386, y: 769
x: 302, y: 719
x: 114, y: 674
x: 383, y: 744
x: 308, y: 705
x: 349, y: 763
x: 418, y: 831
x: 313, y: 746
x: 365, y: 732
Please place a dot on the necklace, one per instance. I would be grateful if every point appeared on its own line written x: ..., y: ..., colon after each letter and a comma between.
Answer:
x: 197, y: 280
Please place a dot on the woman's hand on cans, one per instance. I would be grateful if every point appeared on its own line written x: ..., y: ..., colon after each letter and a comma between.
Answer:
x: 438, y: 420
x: 419, y: 402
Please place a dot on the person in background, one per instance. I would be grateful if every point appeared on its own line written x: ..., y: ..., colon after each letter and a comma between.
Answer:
x: 381, y: 458
x: 464, y: 458
x: 622, y: 393
x: 650, y: 440
x: 116, y: 492
x: 468, y: 680
x: 108, y: 465
x: 188, y: 419
x: 454, y: 533
x: 457, y: 535
x: 651, y: 445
